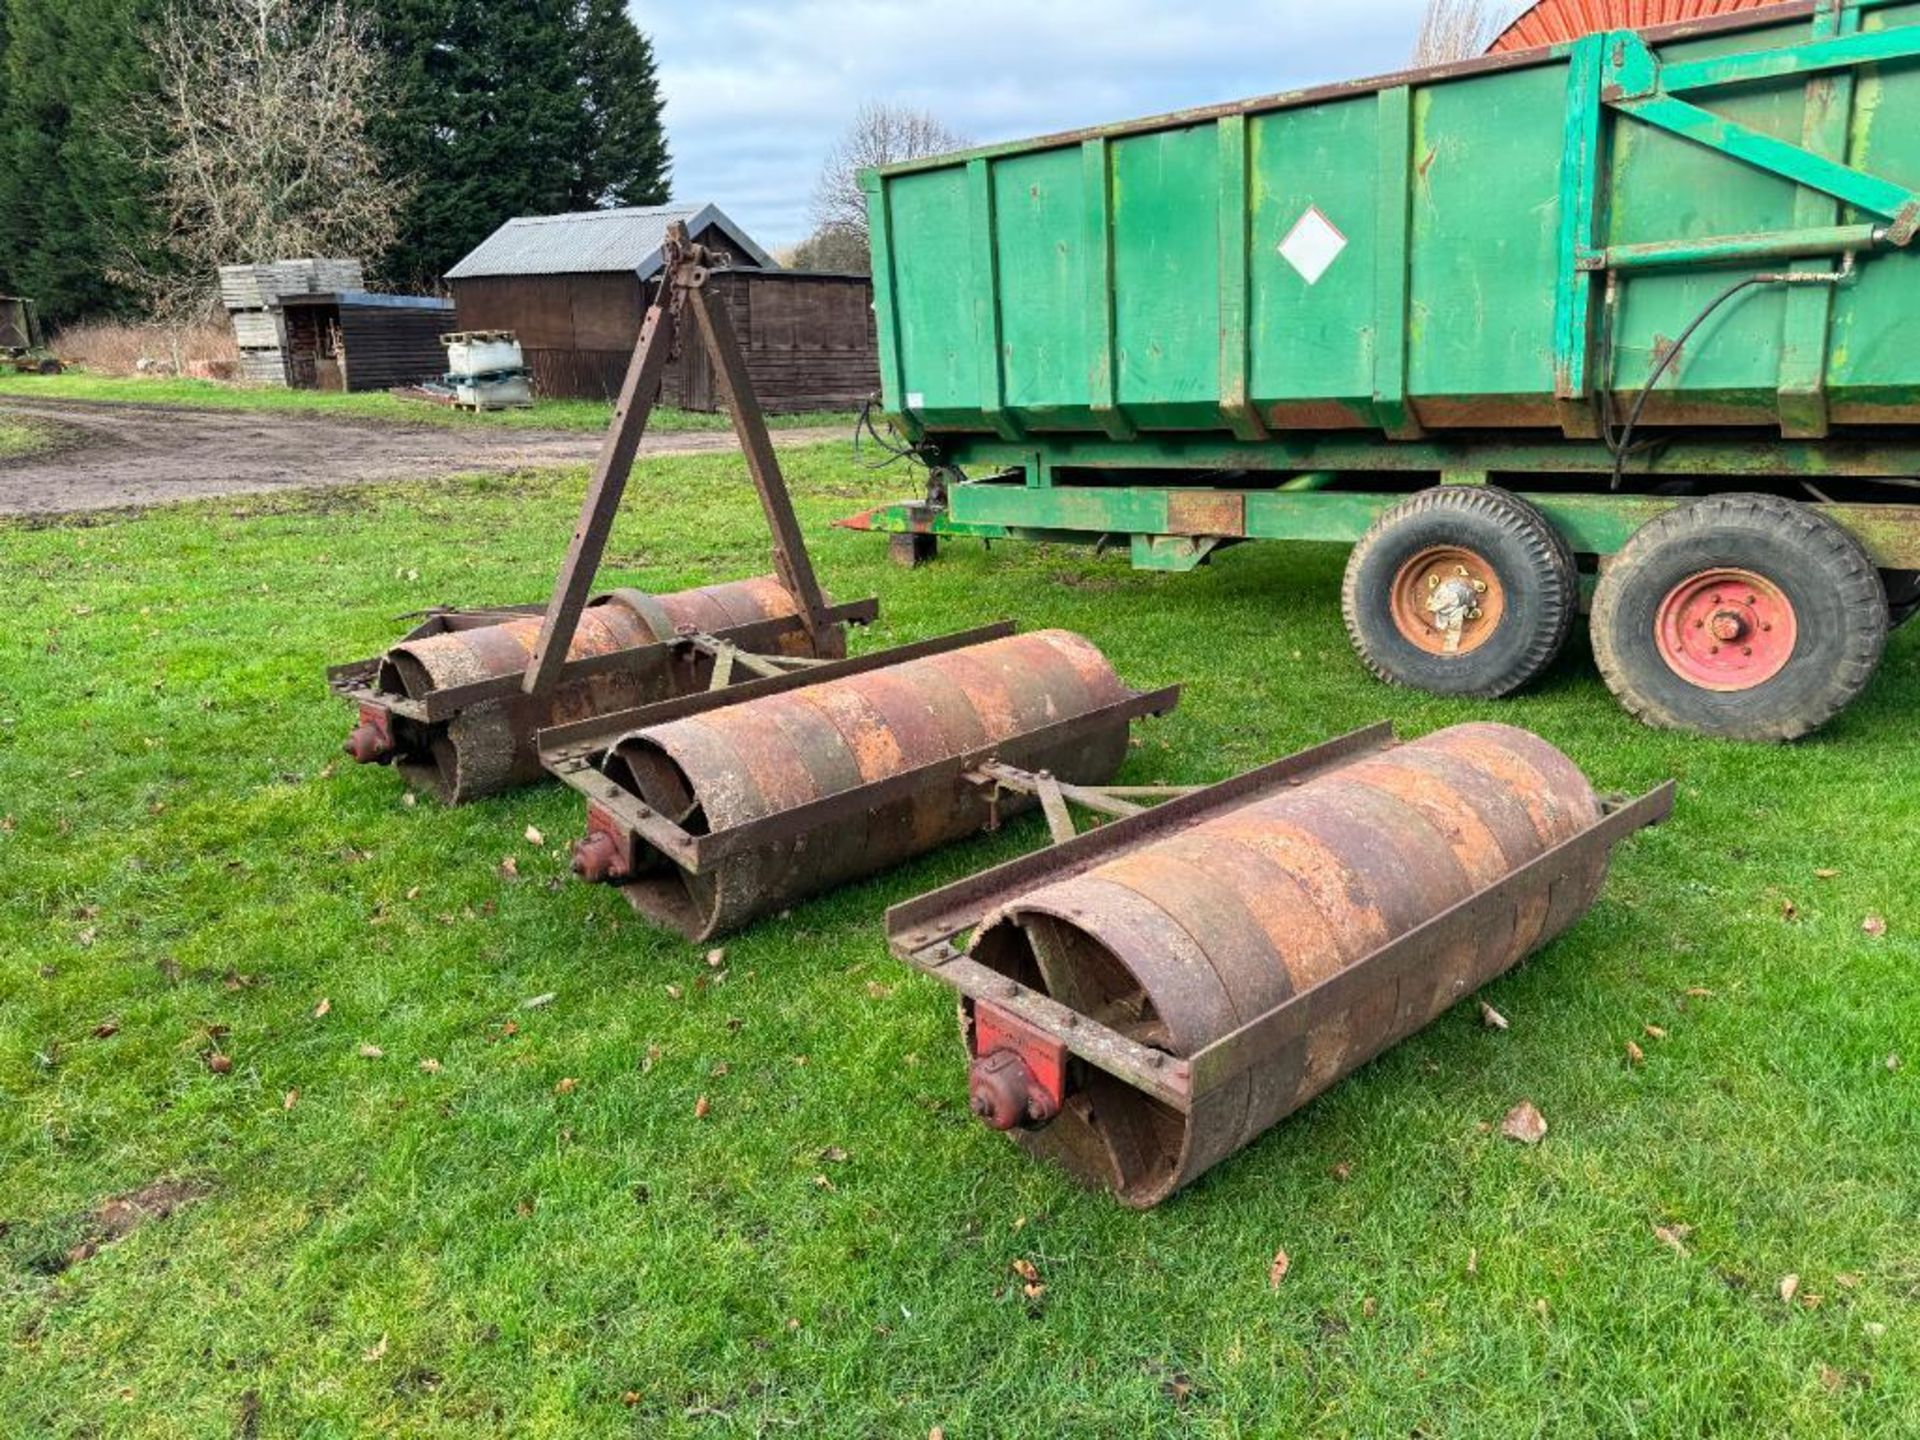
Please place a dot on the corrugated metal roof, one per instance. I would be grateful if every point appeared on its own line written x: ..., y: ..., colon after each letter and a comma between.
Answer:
x: 594, y: 242
x: 1552, y: 21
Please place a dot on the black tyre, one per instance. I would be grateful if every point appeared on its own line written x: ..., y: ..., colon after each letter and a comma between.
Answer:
x: 1903, y: 595
x: 1744, y: 616
x: 1461, y: 590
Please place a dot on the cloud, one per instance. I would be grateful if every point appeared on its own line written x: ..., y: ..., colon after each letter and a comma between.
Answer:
x: 758, y: 90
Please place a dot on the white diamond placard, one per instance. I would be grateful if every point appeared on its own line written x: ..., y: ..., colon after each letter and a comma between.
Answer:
x: 1313, y: 244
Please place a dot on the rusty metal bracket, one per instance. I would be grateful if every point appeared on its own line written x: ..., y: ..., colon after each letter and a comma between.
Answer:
x: 683, y: 284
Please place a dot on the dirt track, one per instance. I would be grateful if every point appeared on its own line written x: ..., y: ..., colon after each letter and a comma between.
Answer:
x: 112, y: 457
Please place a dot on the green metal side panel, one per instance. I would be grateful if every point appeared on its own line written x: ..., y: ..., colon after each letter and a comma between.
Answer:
x: 1735, y: 360
x: 1486, y: 233
x: 1040, y: 215
x: 1872, y: 358
x: 1166, y: 193
x: 1315, y: 342
x: 1131, y: 280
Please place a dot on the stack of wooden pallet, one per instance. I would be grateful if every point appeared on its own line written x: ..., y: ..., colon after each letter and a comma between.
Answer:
x: 251, y: 294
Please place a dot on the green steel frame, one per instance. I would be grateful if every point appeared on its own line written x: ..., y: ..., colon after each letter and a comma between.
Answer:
x: 1843, y: 213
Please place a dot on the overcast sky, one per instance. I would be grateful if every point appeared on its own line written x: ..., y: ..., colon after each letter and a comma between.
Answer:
x: 757, y: 90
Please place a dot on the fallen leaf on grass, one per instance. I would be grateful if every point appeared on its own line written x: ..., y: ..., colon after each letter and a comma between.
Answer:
x: 1847, y: 1281
x: 1492, y: 1018
x: 1343, y: 1171
x: 824, y: 1183
x: 409, y: 799
x: 509, y: 869
x: 1524, y: 1123
x: 413, y: 892
x: 430, y: 1066
x: 630, y: 1399
x: 290, y: 1099
x: 320, y: 1011
x: 1893, y: 1064
x: 1832, y: 1380
x: 1789, y: 910
x: 1826, y: 874
x: 1674, y: 1237
x: 1789, y: 1287
x: 372, y: 1052
x: 721, y: 1069
x: 1635, y: 1055
x: 674, y: 992
x: 1030, y: 1283
x: 1654, y: 1032
x: 1473, y: 1261
x: 219, y: 1064
x: 1874, y: 926
x: 834, y: 1155
x: 106, y: 1030
x: 877, y: 991
x: 701, y: 1107
x: 650, y: 1059
x: 540, y: 1002
x: 534, y: 837
x: 716, y: 958
x: 376, y: 1352
x: 1874, y: 1329
x: 566, y: 1086
x: 1699, y: 992
x: 1368, y: 1306
x: 1277, y: 1271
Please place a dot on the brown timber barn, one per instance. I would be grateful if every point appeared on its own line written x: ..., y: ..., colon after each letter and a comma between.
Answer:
x: 573, y: 288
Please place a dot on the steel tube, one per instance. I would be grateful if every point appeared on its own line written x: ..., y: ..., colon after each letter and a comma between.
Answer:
x: 1178, y: 943
x: 489, y: 748
x: 730, y: 768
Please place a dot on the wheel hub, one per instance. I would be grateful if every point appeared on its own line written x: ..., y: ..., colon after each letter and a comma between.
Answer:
x: 1726, y: 630
x: 1447, y: 600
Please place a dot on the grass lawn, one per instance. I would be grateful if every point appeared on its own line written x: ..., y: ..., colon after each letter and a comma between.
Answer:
x: 589, y: 415
x: 18, y: 438
x: 535, y: 1234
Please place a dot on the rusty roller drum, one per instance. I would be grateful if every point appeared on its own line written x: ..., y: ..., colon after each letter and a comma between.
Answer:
x: 1178, y: 943
x: 730, y: 767
x: 489, y: 748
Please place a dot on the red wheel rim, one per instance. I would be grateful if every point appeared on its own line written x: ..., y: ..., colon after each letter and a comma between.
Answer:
x: 1726, y: 630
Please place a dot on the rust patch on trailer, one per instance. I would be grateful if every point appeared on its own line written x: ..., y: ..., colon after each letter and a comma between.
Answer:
x: 1206, y: 512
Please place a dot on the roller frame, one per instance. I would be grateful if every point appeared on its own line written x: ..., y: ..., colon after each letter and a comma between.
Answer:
x: 354, y: 682
x: 926, y: 933
x: 683, y: 288
x: 574, y: 754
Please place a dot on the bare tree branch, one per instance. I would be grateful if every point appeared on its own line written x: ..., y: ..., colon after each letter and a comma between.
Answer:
x: 1455, y: 30
x: 257, y: 135
x: 879, y: 135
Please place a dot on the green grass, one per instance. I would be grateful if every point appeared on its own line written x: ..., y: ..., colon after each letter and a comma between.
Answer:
x: 19, y: 439
x: 379, y: 406
x: 474, y: 1252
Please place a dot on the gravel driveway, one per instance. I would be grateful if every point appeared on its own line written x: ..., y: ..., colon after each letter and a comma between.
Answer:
x: 111, y: 457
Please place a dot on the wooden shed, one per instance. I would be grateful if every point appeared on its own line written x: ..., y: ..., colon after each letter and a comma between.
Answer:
x: 354, y: 340
x: 809, y: 340
x: 573, y: 288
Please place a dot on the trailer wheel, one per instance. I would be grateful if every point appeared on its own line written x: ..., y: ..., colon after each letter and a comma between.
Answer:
x: 1903, y: 596
x: 1460, y: 590
x: 1743, y: 616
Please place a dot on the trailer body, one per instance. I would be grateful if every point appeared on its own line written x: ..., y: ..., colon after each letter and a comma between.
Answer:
x: 1611, y: 276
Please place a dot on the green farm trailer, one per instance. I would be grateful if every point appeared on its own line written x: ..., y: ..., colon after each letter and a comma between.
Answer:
x: 1633, y: 321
